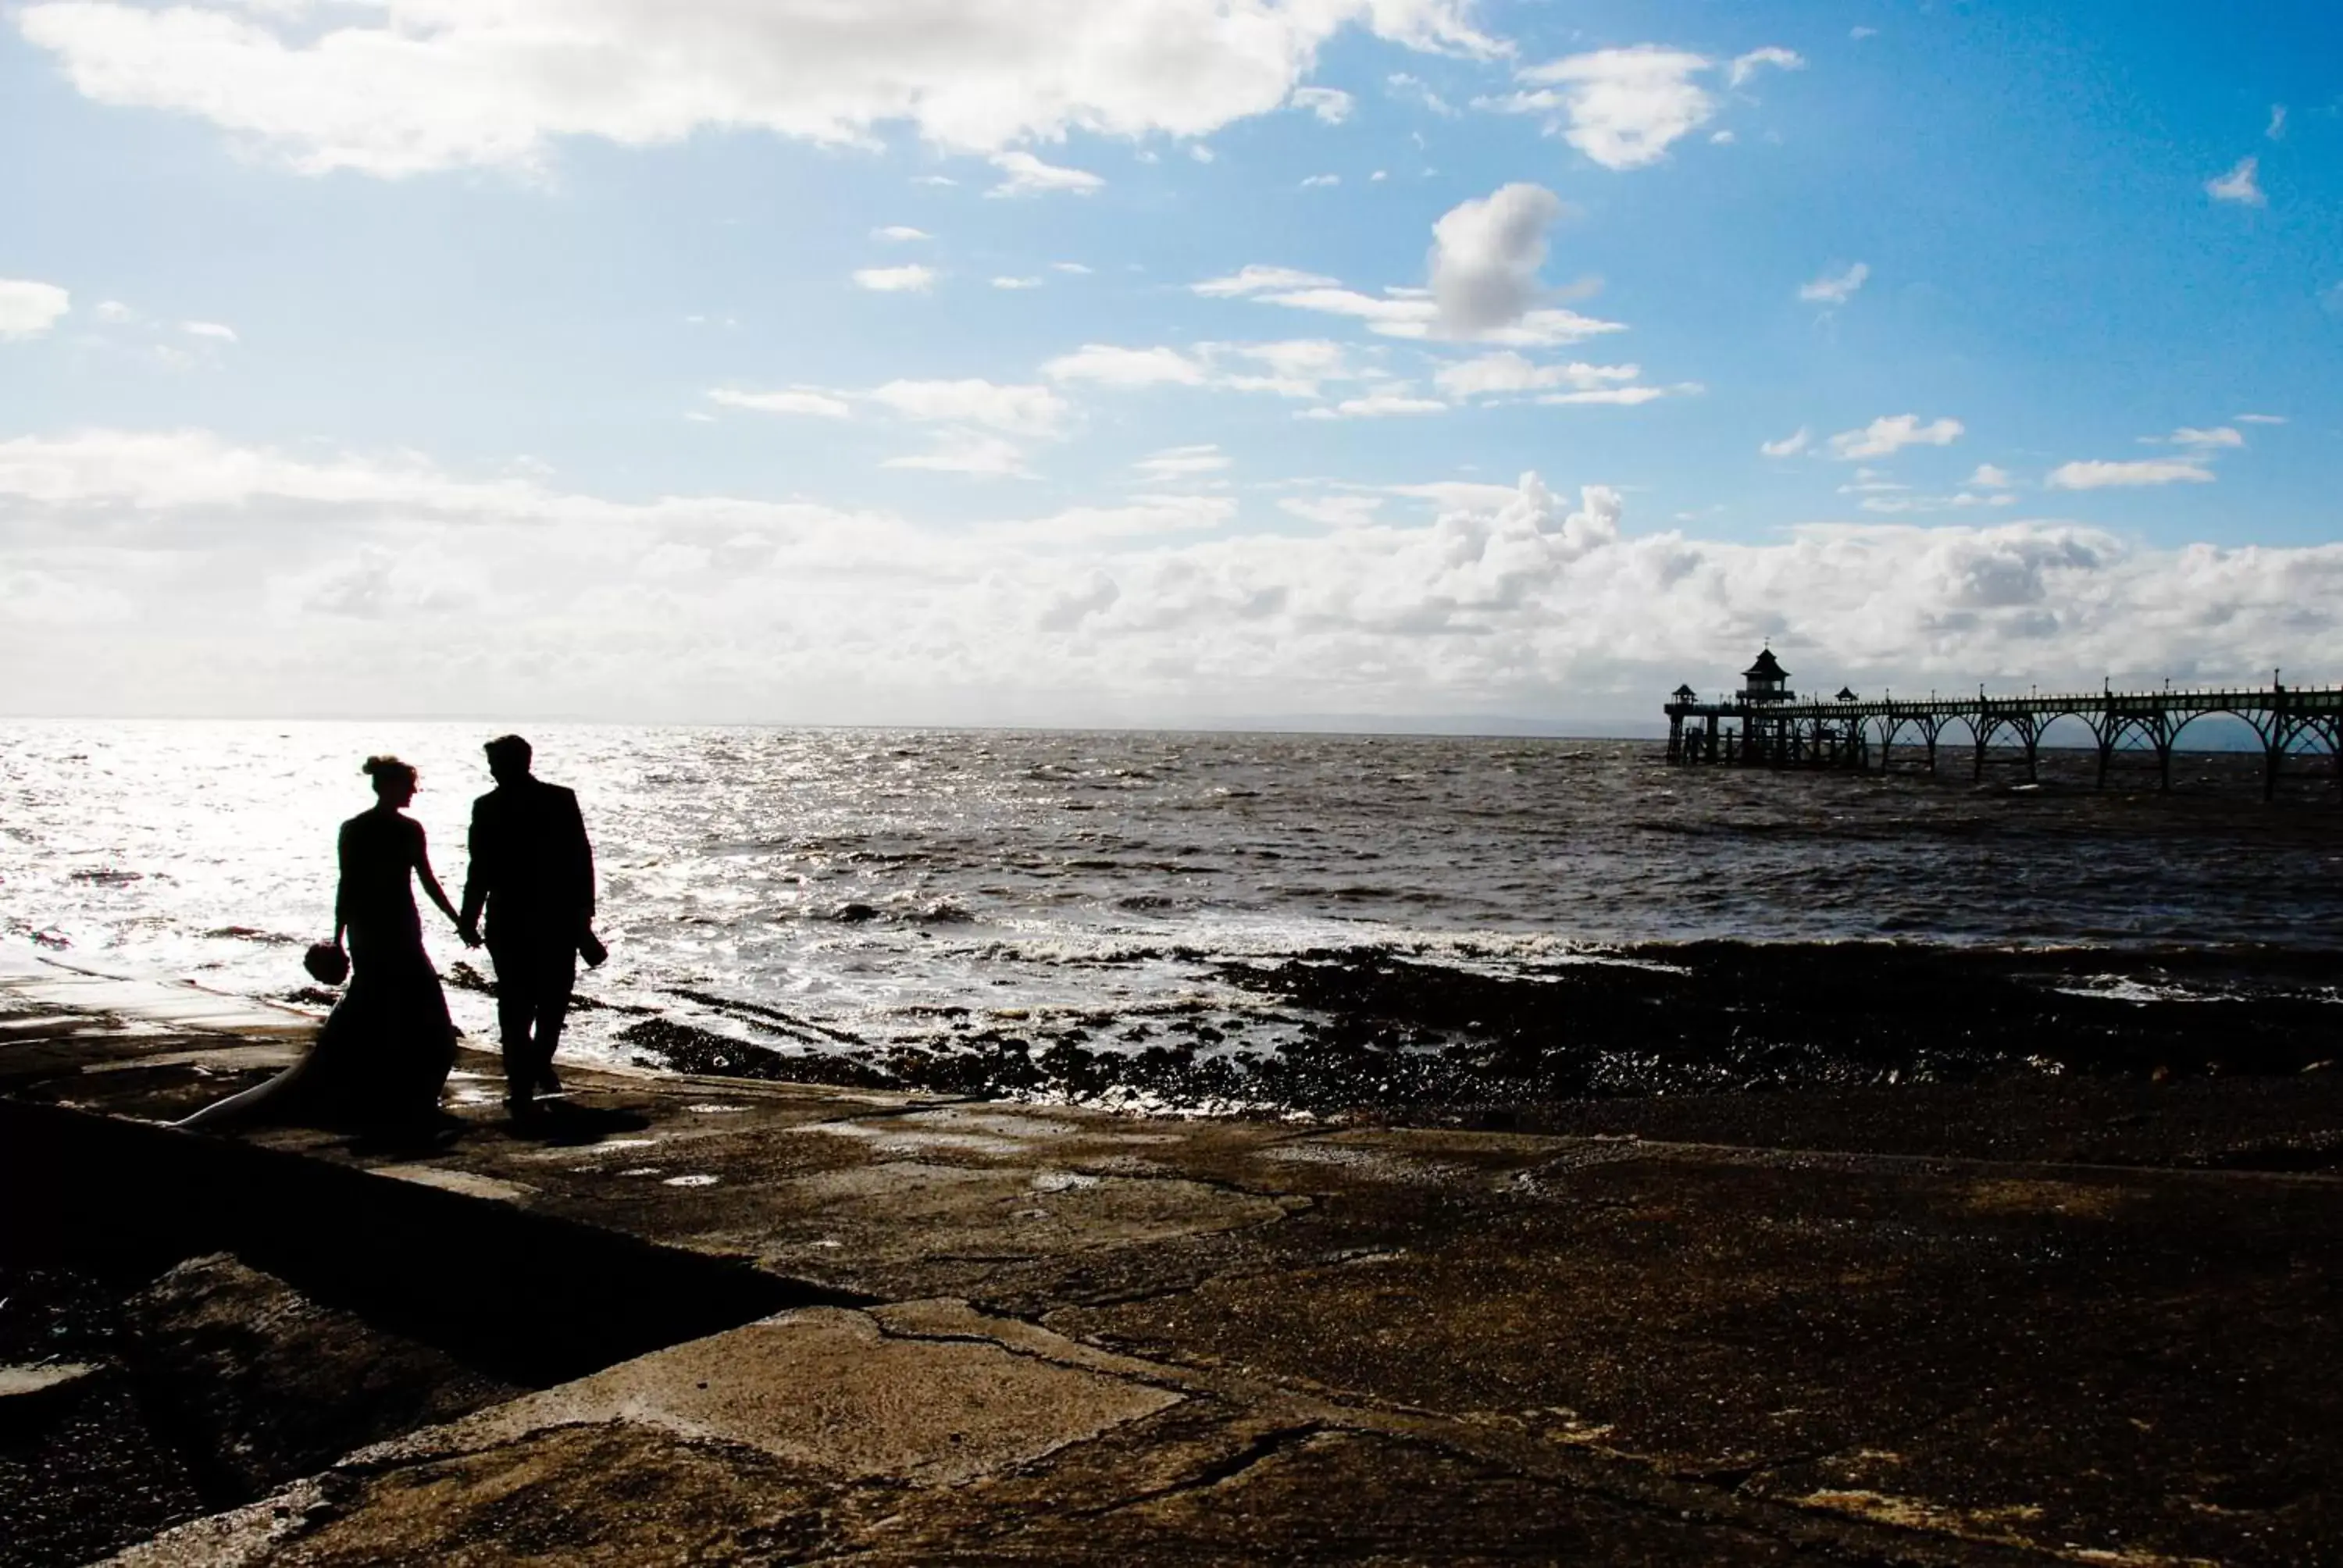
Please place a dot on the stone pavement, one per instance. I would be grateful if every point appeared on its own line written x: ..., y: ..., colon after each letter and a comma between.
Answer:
x: 931, y: 1330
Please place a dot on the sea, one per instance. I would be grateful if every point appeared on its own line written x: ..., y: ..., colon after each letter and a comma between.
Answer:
x: 874, y: 889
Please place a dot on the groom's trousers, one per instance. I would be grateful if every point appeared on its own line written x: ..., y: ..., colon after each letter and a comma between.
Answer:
x: 535, y: 975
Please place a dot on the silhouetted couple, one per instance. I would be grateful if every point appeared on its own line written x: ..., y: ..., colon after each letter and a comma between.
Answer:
x: 384, y: 1054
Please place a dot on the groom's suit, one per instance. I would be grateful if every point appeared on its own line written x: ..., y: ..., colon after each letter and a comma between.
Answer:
x: 534, y: 870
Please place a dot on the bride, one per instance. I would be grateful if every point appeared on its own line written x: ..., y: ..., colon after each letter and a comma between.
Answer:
x: 385, y: 1052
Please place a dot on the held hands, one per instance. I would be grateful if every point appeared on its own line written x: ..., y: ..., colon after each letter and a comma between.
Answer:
x: 471, y: 934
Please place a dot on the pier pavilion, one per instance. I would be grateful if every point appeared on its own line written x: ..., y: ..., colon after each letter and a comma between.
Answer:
x: 1766, y: 724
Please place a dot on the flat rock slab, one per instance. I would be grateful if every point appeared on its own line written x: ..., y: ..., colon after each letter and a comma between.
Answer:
x: 830, y: 1389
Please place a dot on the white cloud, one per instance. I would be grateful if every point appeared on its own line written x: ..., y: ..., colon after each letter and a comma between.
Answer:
x: 1835, y: 288
x: 1333, y: 511
x: 211, y: 329
x: 174, y: 571
x: 1376, y: 406
x: 809, y: 400
x: 1789, y: 446
x: 1509, y: 372
x: 1016, y: 283
x: 2099, y: 476
x: 1330, y: 105
x: 401, y: 87
x: 1256, y: 279
x: 1291, y: 367
x: 1744, y: 66
x: 2261, y: 418
x: 910, y: 279
x: 1017, y: 410
x: 2276, y: 129
x: 1410, y: 313
x: 28, y: 308
x: 1183, y: 462
x: 968, y: 452
x: 2204, y: 442
x: 1624, y: 108
x: 1485, y: 256
x: 1201, y: 153
x: 1616, y: 397
x: 1117, y: 366
x: 1073, y: 268
x: 1404, y: 85
x: 2239, y: 184
x: 901, y: 233
x: 1026, y: 175
x: 114, y: 312
x: 1319, y: 182
x: 1890, y: 434
x: 1988, y: 477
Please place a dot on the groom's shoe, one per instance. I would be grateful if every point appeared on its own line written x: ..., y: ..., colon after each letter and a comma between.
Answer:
x: 525, y: 1109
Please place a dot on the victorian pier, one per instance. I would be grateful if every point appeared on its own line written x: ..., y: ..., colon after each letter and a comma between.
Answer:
x: 1767, y: 725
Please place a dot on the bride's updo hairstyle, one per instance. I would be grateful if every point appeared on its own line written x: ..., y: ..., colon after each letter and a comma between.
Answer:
x: 387, y: 773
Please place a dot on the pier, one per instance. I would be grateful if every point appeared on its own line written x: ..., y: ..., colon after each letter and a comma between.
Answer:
x: 1767, y: 725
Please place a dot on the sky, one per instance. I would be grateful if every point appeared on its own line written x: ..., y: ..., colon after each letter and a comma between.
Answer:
x: 1384, y: 362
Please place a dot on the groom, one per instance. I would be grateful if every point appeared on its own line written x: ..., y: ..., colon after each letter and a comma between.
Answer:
x: 534, y: 869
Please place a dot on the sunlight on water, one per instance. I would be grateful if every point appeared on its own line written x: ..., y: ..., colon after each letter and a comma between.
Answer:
x: 890, y: 886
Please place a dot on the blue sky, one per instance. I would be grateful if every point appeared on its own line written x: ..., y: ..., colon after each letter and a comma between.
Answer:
x: 420, y: 356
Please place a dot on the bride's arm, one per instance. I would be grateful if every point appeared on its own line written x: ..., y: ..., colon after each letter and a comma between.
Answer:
x: 431, y: 888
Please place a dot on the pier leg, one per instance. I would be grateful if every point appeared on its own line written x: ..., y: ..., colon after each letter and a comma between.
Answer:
x: 2276, y: 754
x: 1976, y: 773
x: 1676, y: 738
x: 2164, y: 765
x: 2033, y: 743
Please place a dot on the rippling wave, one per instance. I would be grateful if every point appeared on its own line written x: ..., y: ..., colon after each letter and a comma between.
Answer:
x: 848, y: 892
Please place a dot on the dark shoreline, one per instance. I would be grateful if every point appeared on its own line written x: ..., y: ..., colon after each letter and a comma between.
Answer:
x: 1383, y: 1035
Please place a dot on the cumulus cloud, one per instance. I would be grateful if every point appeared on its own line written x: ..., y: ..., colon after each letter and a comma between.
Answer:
x: 901, y: 233
x: 1330, y: 105
x: 1025, y: 175
x: 1624, y: 108
x: 1319, y: 182
x: 28, y: 308
x: 211, y: 329
x: 910, y: 279
x: 1016, y: 283
x: 1836, y: 287
x: 175, y: 571
x: 401, y: 87
x: 1789, y: 446
x: 1485, y: 256
x: 1890, y: 434
x: 1988, y: 477
x: 2240, y: 184
x: 2100, y: 475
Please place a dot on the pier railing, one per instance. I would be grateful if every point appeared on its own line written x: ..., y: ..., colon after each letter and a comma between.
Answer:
x: 1853, y: 731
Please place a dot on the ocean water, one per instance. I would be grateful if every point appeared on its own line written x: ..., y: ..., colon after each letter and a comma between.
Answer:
x: 872, y: 888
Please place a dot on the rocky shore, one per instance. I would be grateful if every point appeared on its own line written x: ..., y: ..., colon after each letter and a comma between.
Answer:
x: 2010, y: 1269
